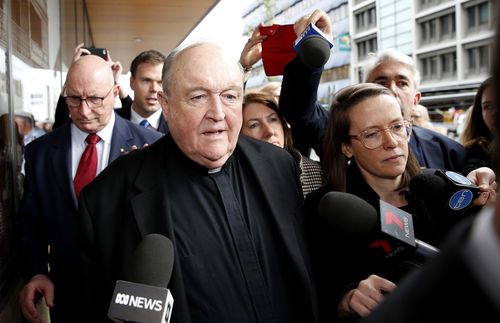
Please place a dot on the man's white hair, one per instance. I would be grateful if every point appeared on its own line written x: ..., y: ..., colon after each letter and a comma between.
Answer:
x: 391, y: 54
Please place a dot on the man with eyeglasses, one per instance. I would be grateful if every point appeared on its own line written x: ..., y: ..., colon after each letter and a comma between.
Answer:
x: 58, y: 166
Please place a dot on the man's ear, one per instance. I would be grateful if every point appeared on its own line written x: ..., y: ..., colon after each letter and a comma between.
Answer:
x: 163, y: 99
x: 132, y: 83
x: 347, y: 150
x: 416, y: 99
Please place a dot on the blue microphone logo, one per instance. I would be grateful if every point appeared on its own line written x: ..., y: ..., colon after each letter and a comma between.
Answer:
x: 461, y: 199
x: 458, y: 178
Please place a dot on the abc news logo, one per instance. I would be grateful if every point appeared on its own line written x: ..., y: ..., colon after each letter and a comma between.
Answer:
x: 139, y: 302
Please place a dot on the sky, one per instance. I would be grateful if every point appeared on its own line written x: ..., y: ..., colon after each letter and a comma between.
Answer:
x: 223, y: 25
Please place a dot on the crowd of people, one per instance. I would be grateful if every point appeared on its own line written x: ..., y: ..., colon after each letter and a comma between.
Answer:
x: 224, y: 173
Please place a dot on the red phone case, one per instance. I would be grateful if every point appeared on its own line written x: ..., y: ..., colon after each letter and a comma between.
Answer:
x: 277, y: 48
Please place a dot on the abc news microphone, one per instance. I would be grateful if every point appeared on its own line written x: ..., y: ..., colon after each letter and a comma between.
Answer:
x: 354, y: 217
x: 143, y: 297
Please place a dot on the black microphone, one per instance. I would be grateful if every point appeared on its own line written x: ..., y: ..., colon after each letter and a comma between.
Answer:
x: 444, y: 190
x: 313, y: 47
x: 143, y: 296
x: 353, y: 216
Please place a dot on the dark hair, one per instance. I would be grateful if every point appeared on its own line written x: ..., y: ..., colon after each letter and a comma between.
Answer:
x: 151, y: 56
x: 475, y: 130
x: 337, y: 132
x: 269, y: 101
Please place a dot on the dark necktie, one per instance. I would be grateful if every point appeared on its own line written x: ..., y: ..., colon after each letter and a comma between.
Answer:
x: 87, y: 168
x: 145, y: 123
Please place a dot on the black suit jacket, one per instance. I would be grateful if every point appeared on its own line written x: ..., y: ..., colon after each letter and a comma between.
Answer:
x: 135, y: 205
x: 48, y: 211
x: 444, y: 290
x: 299, y: 106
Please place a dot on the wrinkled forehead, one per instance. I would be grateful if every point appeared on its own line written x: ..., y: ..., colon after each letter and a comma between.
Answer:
x: 212, y: 70
x: 391, y: 70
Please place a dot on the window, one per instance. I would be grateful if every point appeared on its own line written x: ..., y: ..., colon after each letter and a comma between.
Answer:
x: 478, y: 59
x: 366, y: 18
x: 438, y: 28
x: 365, y: 46
x: 36, y: 26
x: 439, y: 66
x: 478, y: 17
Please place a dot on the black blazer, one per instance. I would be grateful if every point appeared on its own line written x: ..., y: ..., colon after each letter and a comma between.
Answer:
x: 299, y: 105
x: 128, y: 201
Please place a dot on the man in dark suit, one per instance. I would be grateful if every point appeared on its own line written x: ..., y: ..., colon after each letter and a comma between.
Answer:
x: 298, y: 103
x: 55, y: 172
x: 145, y: 81
x: 230, y: 204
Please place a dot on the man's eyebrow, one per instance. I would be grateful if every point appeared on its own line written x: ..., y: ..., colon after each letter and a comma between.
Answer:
x: 402, y: 77
x: 380, y: 78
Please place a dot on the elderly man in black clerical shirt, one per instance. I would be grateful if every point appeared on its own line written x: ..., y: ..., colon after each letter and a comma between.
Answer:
x: 229, y: 203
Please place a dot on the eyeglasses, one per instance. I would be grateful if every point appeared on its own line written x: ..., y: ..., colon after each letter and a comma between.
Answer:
x: 93, y: 102
x: 373, y: 138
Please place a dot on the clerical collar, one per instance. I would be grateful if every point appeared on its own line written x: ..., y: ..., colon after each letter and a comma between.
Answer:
x: 191, y: 165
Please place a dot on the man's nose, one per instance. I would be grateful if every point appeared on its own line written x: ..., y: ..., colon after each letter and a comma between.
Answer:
x: 216, y: 110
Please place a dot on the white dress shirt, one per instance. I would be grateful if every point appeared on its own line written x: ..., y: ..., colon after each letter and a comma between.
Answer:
x: 78, y: 145
x: 154, y: 119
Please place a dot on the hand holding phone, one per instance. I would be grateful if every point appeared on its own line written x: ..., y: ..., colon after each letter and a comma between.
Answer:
x: 101, y: 52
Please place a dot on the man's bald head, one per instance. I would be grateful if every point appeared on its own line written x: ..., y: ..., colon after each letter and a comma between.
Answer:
x: 91, y: 77
x: 90, y: 66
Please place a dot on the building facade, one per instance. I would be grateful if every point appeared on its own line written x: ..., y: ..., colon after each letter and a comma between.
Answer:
x: 450, y: 41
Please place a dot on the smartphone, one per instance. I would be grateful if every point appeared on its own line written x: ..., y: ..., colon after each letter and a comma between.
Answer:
x: 101, y: 52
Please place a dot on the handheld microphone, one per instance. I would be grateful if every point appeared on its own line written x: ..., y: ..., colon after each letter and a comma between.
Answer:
x: 351, y: 215
x: 313, y: 47
x: 444, y: 189
x: 143, y: 297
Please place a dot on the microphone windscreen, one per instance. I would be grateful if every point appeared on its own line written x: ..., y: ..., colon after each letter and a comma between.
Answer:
x: 153, y: 261
x: 427, y: 186
x: 314, y: 51
x: 348, y: 213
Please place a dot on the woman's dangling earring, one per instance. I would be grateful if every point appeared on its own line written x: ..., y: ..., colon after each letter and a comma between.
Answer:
x: 349, y: 161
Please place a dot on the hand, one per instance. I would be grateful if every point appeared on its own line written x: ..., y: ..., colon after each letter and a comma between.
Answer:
x: 366, y: 296
x: 78, y: 52
x: 319, y: 18
x: 484, y: 177
x: 252, y: 52
x: 39, y: 285
x: 117, y: 69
